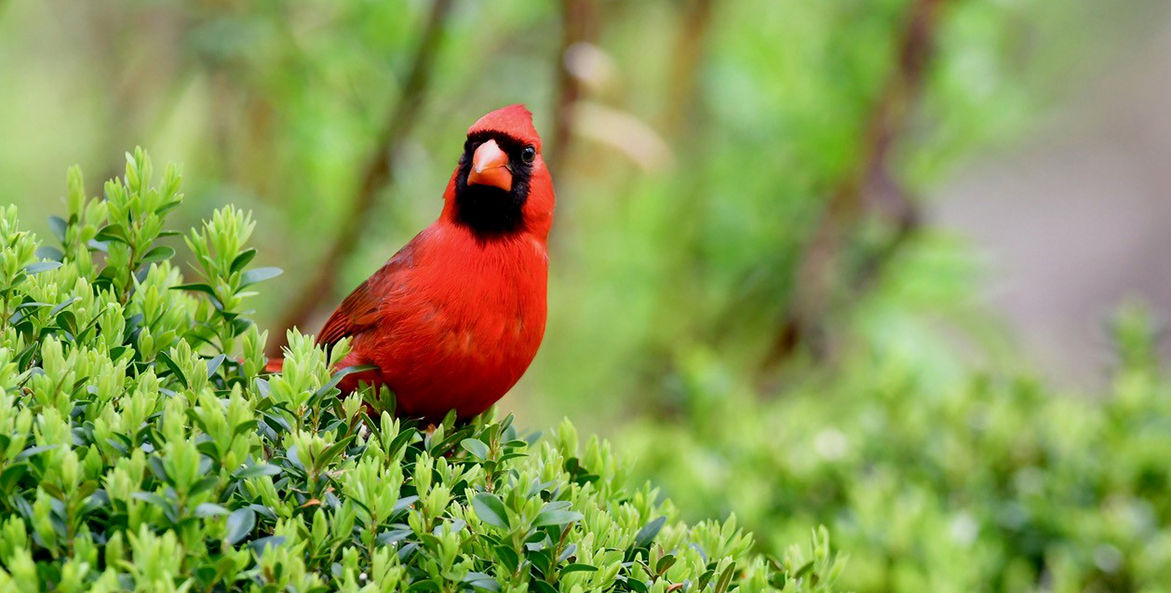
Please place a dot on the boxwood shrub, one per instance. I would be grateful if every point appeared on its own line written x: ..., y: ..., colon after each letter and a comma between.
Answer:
x: 989, y: 482
x: 143, y: 449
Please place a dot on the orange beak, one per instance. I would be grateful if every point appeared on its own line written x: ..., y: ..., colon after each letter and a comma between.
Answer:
x: 490, y: 167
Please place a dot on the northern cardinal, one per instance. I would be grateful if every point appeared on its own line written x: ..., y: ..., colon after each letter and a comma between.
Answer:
x: 453, y: 320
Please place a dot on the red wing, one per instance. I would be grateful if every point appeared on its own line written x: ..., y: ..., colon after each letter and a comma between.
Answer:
x: 361, y: 310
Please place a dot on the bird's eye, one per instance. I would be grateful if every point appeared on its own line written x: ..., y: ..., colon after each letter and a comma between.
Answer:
x: 528, y: 154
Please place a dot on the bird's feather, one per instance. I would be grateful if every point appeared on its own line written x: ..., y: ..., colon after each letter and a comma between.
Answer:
x: 362, y: 309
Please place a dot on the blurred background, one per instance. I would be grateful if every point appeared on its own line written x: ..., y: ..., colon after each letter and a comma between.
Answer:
x: 893, y: 266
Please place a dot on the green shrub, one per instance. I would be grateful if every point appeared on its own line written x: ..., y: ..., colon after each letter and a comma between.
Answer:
x: 141, y: 449
x: 989, y: 484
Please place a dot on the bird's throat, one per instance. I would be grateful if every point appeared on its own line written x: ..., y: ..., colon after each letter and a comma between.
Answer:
x: 489, y: 212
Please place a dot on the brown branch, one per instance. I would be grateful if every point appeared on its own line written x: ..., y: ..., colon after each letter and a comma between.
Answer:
x: 378, y: 173
x: 818, y: 267
x: 690, y: 47
x: 577, y: 26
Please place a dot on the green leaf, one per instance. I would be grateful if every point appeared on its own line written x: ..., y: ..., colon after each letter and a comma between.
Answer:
x: 259, y: 275
x: 62, y: 305
x: 158, y: 254
x: 165, y: 208
x: 507, y: 556
x: 475, y: 447
x: 424, y: 585
x: 67, y: 321
x: 490, y: 509
x: 726, y: 578
x: 165, y: 359
x: 112, y: 232
x: 34, y: 451
x: 665, y: 563
x: 213, y: 365
x: 636, y: 585
x: 338, y: 376
x: 403, y: 503
x: 240, y: 524
x: 152, y: 498
x: 578, y: 567
x: 242, y: 260
x: 48, y: 252
x: 58, y: 226
x: 647, y: 534
x: 556, y: 517
x: 706, y: 578
x: 481, y: 580
x: 11, y: 475
x: 205, y: 289
x: 208, y: 509
x: 332, y: 451
x: 261, y: 545
x: 804, y: 569
x: 41, y: 266
x: 253, y: 471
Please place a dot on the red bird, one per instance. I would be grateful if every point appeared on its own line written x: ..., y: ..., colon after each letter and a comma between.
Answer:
x: 453, y: 320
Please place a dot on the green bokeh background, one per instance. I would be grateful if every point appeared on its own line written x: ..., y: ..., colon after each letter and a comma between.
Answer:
x: 708, y: 139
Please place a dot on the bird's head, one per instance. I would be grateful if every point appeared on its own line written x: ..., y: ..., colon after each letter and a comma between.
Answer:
x: 501, y: 186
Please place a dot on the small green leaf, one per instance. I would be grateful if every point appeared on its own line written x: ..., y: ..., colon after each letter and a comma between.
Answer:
x: 61, y: 306
x: 338, y: 376
x: 112, y: 232
x: 33, y: 451
x: 41, y: 266
x: 647, y: 534
x: 158, y: 254
x: 240, y: 524
x: 475, y: 447
x: 332, y: 451
x: 481, y: 580
x: 403, y: 503
x: 259, y: 275
x: 58, y: 226
x: 490, y: 509
x: 260, y: 469
x: 213, y: 365
x: 48, y: 252
x: 726, y: 578
x: 543, y: 587
x: 804, y: 569
x: 165, y: 359
x: 665, y: 563
x: 261, y: 545
x: 556, y: 517
x: 208, y: 509
x: 507, y: 556
x: 636, y: 585
x: 242, y: 260
x: 578, y: 567
x: 11, y: 475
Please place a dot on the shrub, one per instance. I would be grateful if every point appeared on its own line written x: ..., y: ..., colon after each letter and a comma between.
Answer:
x: 994, y: 484
x: 141, y: 448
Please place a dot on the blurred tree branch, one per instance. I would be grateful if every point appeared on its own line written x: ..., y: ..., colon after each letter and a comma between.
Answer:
x: 577, y: 27
x: 690, y: 47
x: 869, y: 186
x: 378, y: 173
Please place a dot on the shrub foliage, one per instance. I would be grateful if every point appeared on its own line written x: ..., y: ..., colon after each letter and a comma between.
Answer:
x: 988, y: 483
x: 141, y: 448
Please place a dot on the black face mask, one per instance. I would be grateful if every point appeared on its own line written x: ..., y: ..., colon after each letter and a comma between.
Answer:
x: 489, y: 211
